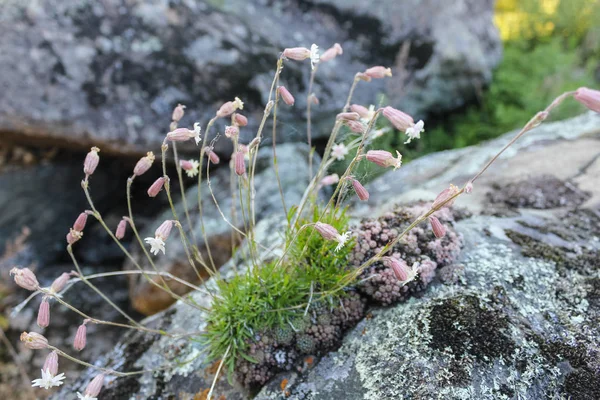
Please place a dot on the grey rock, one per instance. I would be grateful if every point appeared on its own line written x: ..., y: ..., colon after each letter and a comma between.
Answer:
x: 82, y: 73
x: 520, y: 320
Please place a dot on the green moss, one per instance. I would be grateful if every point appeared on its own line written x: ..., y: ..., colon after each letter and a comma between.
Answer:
x: 531, y: 247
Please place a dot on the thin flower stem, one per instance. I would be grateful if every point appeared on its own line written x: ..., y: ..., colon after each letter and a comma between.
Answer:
x: 183, y: 196
x: 212, y: 387
x: 308, y: 118
x: 132, y: 272
x: 275, y: 163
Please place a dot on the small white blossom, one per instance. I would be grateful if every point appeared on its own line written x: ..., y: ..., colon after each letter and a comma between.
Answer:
x: 379, y: 132
x: 156, y: 245
x: 339, y: 151
x: 342, y: 239
x: 314, y: 55
x: 238, y: 104
x: 197, y: 129
x: 85, y: 397
x: 413, y: 273
x: 194, y: 170
x: 414, y: 132
x: 48, y: 380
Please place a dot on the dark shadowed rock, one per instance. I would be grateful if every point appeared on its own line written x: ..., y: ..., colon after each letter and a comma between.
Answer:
x: 82, y: 73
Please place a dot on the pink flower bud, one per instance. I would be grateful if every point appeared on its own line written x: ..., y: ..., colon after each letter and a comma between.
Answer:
x: 469, y: 187
x: 80, y: 337
x: 51, y: 364
x: 400, y: 268
x: 230, y: 107
x: 400, y: 120
x: 79, y: 224
x: 91, y: 161
x: 240, y: 119
x: 178, y: 112
x: 59, y: 283
x: 186, y: 165
x: 348, y: 116
x: 360, y: 190
x: 355, y: 126
x: 94, y: 387
x: 180, y: 135
x: 156, y: 187
x: 121, y: 228
x: 74, y: 236
x: 253, y: 144
x: 589, y: 98
x: 34, y: 341
x: 144, y: 164
x: 240, y: 163
x: 164, y: 230
x: 232, y: 131
x: 378, y: 72
x: 43, y: 319
x: 443, y: 197
x: 332, y: 52
x: 363, y: 77
x: 384, y: 158
x: 212, y: 156
x: 297, y: 53
x: 25, y: 278
x: 360, y: 110
x: 327, y: 231
x: 286, y: 96
x: 330, y: 180
x: 312, y: 99
x: 437, y: 227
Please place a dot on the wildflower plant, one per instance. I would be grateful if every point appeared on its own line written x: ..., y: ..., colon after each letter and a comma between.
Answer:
x: 311, y: 281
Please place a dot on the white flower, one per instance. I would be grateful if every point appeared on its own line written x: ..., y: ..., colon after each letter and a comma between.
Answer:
x: 196, y: 133
x: 379, y: 132
x: 314, y: 55
x: 238, y: 104
x: 339, y: 151
x: 156, y: 245
x: 194, y: 170
x: 414, y: 132
x: 85, y: 397
x: 342, y: 239
x: 48, y: 380
x: 413, y: 273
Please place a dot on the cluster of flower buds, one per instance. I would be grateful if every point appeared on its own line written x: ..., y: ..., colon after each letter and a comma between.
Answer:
x: 331, y: 53
x: 157, y: 243
x: 384, y: 158
x: 360, y: 190
x: 144, y: 164
x: 352, y: 120
x: 329, y: 232
x: 589, y: 98
x: 404, y: 122
x: 76, y: 232
x: 91, y: 161
x: 302, y: 53
x: 156, y: 187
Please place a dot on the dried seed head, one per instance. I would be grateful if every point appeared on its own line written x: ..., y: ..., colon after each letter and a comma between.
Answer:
x: 384, y: 158
x: 43, y: 318
x: 240, y: 120
x: 239, y: 163
x: 80, y: 337
x: 178, y: 112
x: 79, y: 224
x: 589, y: 98
x: 164, y: 230
x: 286, y: 96
x: 232, y: 131
x: 439, y: 230
x: 297, y: 53
x: 91, y: 161
x: 74, y: 236
x: 378, y: 72
x: 360, y: 190
x: 332, y: 53
x: 51, y: 363
x: 121, y: 228
x: 34, y: 341
x: 59, y: 283
x: 156, y: 187
x: 144, y: 164
x: 93, y: 388
x: 348, y: 116
x: 25, y: 278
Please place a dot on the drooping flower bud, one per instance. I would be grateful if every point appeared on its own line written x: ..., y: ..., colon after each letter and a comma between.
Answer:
x: 401, y: 270
x: 399, y: 119
x: 144, y: 164
x: 240, y: 119
x: 232, y: 131
x: 59, y: 283
x: 439, y: 230
x: 185, y: 134
x: 34, y: 341
x: 51, y: 364
x: 230, y: 107
x: 286, y: 96
x: 589, y: 98
x: 330, y: 180
x: 355, y: 126
x: 469, y: 187
x: 332, y: 53
x: 384, y: 158
x: 156, y: 187
x: 296, y: 53
x: 164, y: 230
x: 443, y: 197
x: 348, y: 116
x: 43, y: 318
x: 93, y: 388
x: 312, y: 99
x: 25, y: 278
x: 329, y: 232
x: 79, y: 224
x: 91, y: 161
x: 360, y: 190
x: 178, y: 112
x: 378, y: 72
x: 121, y: 228
x: 80, y: 337
x: 74, y: 236
x: 239, y: 163
x: 360, y: 110
x: 212, y: 156
x: 191, y: 167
